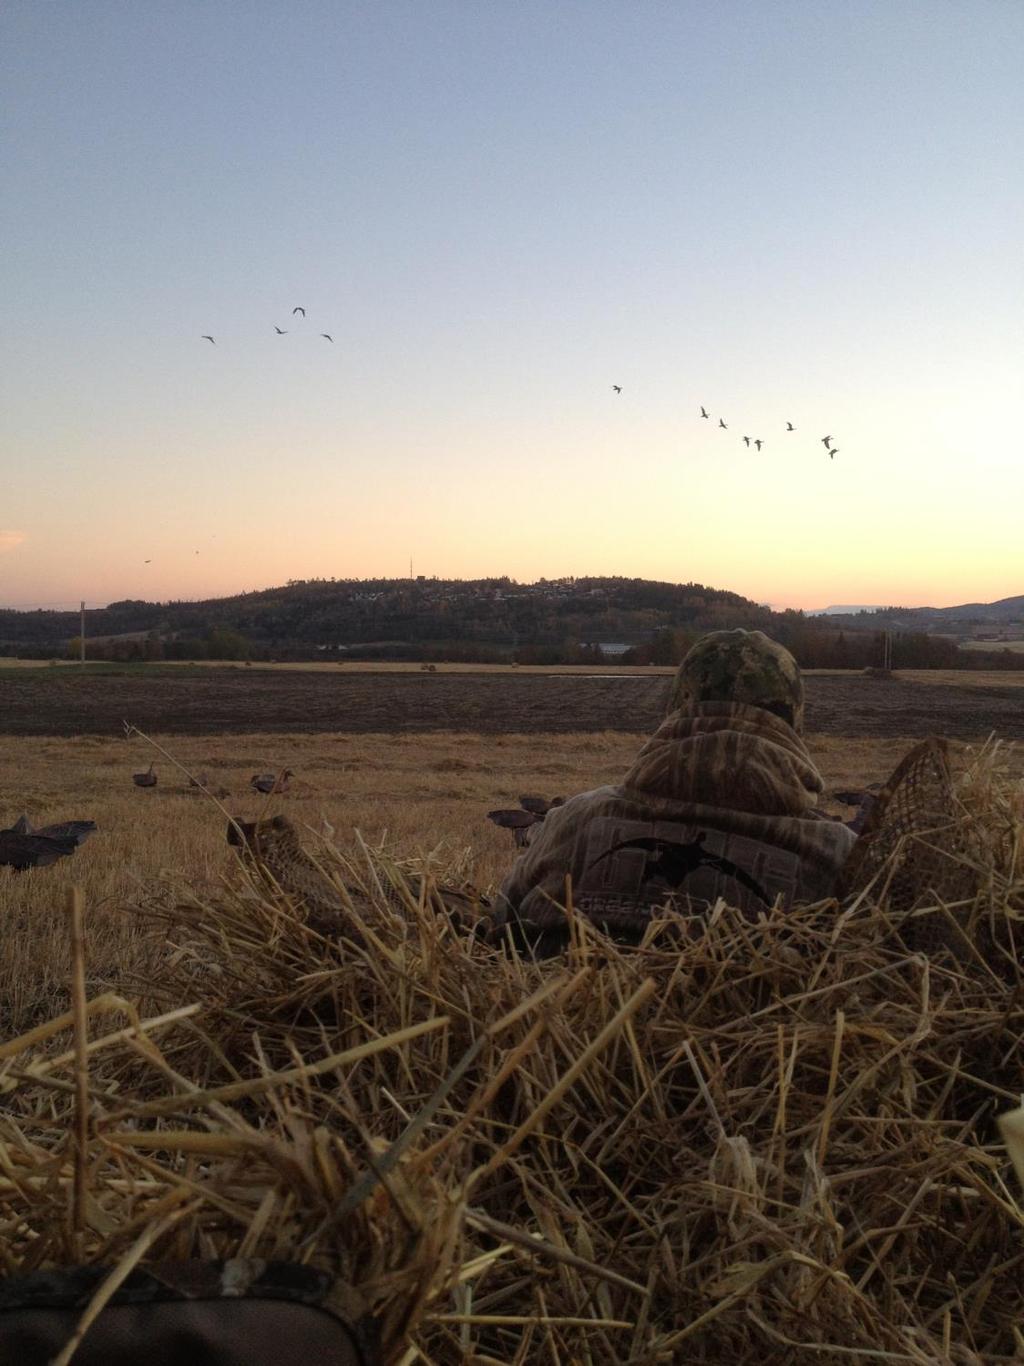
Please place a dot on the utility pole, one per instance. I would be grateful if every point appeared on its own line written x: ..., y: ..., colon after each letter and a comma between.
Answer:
x: 81, y: 637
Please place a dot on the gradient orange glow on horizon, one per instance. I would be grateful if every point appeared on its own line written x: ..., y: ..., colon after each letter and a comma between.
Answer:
x: 787, y: 212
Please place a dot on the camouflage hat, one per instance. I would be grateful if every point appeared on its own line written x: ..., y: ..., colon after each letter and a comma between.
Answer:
x: 741, y: 666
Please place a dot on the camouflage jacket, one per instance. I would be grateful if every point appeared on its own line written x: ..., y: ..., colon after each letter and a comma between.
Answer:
x: 718, y: 803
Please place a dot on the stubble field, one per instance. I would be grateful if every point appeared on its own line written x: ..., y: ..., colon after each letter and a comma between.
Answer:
x: 409, y: 759
x: 412, y: 763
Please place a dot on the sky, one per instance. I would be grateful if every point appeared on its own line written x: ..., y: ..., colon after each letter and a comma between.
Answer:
x: 788, y: 212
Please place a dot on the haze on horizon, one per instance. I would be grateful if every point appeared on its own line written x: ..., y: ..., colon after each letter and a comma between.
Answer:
x: 787, y: 212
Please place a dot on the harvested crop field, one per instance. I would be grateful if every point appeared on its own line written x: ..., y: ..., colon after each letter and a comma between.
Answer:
x: 735, y: 1142
x: 205, y: 701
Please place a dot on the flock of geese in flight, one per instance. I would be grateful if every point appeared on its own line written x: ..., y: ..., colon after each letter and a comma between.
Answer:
x: 826, y: 441
x: 281, y: 331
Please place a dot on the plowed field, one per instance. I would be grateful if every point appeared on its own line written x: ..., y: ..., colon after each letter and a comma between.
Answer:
x: 248, y: 700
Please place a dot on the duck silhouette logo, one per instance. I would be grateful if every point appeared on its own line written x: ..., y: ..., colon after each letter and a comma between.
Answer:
x: 672, y: 863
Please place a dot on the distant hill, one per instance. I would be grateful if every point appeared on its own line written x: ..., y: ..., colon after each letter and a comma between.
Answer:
x: 846, y: 610
x: 552, y: 621
x: 328, y: 615
x: 961, y: 621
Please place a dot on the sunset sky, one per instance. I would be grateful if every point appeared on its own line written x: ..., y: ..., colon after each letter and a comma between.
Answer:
x: 498, y: 209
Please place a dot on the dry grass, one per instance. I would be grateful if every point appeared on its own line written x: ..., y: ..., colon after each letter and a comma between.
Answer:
x: 745, y: 1143
x: 417, y: 793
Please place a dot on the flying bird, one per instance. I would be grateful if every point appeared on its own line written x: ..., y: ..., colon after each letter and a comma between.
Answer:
x: 758, y: 443
x: 722, y: 425
x: 790, y: 427
x: 206, y: 337
x: 747, y: 440
x: 281, y: 332
x: 147, y: 561
x: 833, y: 452
x: 327, y: 335
x: 826, y: 441
x: 704, y: 412
x: 298, y: 309
x: 617, y: 388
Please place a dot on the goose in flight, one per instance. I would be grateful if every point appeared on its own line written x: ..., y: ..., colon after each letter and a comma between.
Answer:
x: 617, y: 388
x: 758, y: 443
x: 299, y: 309
x: 790, y: 427
x: 327, y: 335
x: 833, y: 452
x: 206, y: 337
x: 704, y: 412
x: 281, y: 332
x: 826, y: 441
x: 722, y: 424
x: 747, y: 440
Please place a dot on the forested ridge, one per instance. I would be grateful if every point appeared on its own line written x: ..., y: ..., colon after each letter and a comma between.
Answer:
x: 496, y: 619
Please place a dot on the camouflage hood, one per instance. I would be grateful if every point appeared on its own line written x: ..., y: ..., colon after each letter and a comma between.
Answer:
x: 741, y: 666
x: 718, y: 804
x: 727, y: 754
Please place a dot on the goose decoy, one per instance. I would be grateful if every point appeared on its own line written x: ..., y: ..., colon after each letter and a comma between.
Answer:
x: 704, y: 412
x: 723, y: 425
x: 540, y: 806
x: 147, y: 779
x: 206, y: 337
x: 269, y: 783
x: 79, y: 831
x: 532, y: 812
x: 298, y: 309
x: 863, y: 800
x: 327, y: 335
x: 790, y: 427
x: 519, y: 822
x: 33, y: 851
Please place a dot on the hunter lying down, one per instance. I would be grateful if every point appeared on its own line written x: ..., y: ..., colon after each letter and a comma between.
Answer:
x: 720, y: 802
